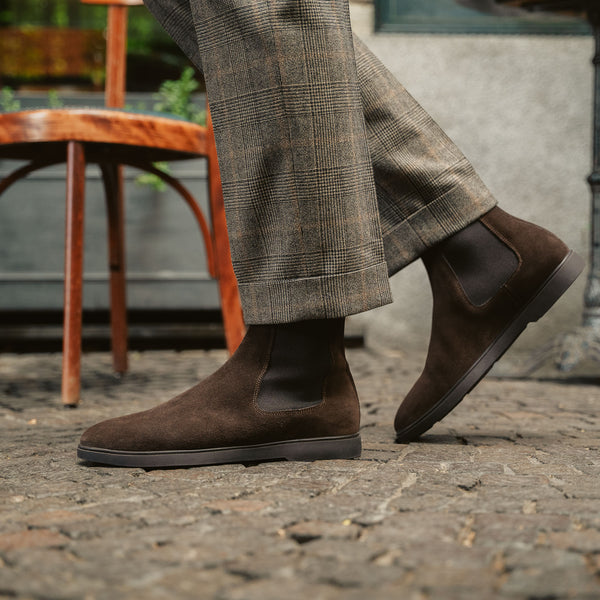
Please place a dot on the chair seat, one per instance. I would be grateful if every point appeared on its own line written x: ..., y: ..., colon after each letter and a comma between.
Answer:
x: 153, y: 136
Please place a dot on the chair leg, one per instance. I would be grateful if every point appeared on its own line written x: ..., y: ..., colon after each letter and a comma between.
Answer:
x: 71, y: 384
x: 233, y: 319
x: 112, y: 176
x: 231, y: 308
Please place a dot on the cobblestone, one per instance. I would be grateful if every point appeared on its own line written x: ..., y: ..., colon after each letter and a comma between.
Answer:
x: 500, y: 500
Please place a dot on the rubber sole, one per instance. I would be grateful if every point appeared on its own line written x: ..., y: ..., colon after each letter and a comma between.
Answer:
x: 348, y: 446
x: 551, y: 290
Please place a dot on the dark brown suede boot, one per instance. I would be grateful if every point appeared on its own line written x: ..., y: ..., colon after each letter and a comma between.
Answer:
x: 286, y: 393
x: 488, y: 281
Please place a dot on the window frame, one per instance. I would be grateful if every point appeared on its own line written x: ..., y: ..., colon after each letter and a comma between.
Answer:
x: 388, y: 19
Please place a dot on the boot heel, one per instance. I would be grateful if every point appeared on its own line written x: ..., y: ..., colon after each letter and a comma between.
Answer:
x: 556, y: 285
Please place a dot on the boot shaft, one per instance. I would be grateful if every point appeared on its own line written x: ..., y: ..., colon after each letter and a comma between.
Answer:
x: 498, y: 252
x: 302, y: 358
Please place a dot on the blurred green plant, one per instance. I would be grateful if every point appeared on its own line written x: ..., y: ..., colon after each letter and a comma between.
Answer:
x: 8, y: 101
x: 53, y: 100
x: 175, y: 97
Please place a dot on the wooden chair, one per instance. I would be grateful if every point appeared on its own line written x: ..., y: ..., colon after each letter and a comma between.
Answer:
x: 112, y: 138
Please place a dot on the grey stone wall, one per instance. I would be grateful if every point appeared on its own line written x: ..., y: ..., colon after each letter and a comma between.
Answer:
x: 520, y: 107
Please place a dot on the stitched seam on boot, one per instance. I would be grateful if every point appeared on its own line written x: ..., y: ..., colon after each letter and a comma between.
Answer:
x: 263, y: 370
x: 328, y: 376
x: 507, y: 283
x: 461, y: 291
x: 289, y: 411
x: 508, y: 243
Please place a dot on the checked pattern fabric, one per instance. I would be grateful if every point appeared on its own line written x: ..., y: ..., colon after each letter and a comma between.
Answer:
x: 333, y: 176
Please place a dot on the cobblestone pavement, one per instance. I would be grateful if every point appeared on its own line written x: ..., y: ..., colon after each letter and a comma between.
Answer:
x: 501, y: 500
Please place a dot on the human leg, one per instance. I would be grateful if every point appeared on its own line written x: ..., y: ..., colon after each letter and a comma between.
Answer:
x: 427, y: 192
x: 286, y: 393
x: 489, y: 281
x: 491, y: 274
x: 297, y: 179
x: 305, y: 239
x: 426, y: 189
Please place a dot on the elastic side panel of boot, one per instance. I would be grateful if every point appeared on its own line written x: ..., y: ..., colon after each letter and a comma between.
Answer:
x: 299, y: 362
x: 481, y: 262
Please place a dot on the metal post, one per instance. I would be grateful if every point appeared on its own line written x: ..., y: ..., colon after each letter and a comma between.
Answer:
x: 591, y: 315
x: 572, y: 348
x: 584, y: 342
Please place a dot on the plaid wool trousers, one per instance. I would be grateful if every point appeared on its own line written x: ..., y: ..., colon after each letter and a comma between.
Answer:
x: 334, y: 177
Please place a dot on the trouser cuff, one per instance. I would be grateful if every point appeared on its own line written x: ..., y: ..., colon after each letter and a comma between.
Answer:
x: 326, y: 297
x: 440, y: 219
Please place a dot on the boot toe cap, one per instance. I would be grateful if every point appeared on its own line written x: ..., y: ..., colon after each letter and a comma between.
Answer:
x: 113, y: 434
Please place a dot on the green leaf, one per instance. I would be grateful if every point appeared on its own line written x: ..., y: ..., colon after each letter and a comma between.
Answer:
x: 8, y: 102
